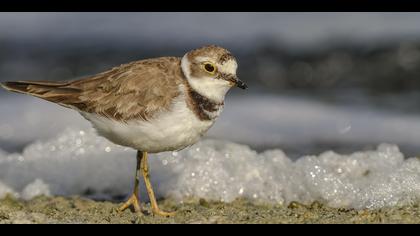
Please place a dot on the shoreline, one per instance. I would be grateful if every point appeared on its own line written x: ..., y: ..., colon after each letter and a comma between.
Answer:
x: 83, y: 210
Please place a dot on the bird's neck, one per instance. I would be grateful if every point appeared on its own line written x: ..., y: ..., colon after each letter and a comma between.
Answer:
x: 204, y: 108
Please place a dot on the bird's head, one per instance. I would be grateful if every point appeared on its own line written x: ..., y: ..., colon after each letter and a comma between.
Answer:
x: 211, y: 71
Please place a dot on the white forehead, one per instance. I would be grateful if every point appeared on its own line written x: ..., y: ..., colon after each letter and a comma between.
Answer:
x: 203, y: 59
x: 228, y: 66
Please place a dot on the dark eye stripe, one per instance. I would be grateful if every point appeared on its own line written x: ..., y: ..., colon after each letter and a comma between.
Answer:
x: 223, y: 76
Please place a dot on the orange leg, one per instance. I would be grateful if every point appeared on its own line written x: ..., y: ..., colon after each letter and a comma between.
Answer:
x: 134, y: 199
x: 145, y: 171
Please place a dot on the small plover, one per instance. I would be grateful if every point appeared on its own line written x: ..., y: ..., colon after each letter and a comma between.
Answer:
x: 152, y: 105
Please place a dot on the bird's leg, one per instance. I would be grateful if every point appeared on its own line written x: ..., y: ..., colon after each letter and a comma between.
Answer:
x: 145, y: 171
x: 134, y: 200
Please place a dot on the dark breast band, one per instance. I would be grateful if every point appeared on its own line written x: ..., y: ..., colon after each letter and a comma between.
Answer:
x: 201, y: 105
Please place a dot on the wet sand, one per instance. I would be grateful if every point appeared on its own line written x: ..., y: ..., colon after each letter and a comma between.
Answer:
x: 82, y: 210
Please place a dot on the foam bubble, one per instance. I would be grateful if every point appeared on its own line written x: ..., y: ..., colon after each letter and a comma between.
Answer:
x: 34, y: 189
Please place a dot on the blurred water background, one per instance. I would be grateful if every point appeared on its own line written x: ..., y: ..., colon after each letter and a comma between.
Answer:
x: 318, y: 81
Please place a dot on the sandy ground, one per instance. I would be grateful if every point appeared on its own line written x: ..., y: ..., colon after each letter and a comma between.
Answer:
x: 82, y: 210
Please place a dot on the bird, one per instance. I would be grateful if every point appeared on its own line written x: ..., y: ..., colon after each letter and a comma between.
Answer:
x: 151, y: 105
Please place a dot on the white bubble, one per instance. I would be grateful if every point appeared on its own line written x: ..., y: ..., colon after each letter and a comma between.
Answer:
x: 78, y: 142
x: 34, y: 189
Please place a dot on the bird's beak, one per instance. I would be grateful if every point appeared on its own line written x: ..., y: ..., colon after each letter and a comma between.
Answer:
x: 235, y: 81
x: 240, y: 84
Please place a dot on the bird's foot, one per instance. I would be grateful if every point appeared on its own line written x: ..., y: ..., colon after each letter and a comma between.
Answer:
x: 159, y: 212
x: 132, y: 201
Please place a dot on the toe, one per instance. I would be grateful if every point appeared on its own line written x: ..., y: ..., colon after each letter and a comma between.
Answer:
x: 163, y: 213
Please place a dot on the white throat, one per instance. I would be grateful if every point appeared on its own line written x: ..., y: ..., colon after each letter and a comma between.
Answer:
x: 214, y: 89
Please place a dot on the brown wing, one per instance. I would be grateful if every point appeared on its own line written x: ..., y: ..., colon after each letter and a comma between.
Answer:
x: 130, y: 91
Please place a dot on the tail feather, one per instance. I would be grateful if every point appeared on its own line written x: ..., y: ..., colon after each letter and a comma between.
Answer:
x: 57, y: 92
x: 14, y: 86
x: 25, y: 86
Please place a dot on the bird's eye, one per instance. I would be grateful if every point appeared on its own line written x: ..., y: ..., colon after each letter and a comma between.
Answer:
x: 209, y: 68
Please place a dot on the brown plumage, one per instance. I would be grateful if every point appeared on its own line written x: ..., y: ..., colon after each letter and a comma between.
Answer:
x: 220, y: 54
x: 131, y: 91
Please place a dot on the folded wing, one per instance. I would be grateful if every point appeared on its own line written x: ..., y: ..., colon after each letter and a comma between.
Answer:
x: 131, y: 91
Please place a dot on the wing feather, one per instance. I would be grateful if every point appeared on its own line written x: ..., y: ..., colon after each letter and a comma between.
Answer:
x: 137, y: 90
x: 133, y: 91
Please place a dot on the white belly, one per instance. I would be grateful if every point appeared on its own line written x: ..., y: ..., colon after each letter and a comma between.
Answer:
x: 168, y: 131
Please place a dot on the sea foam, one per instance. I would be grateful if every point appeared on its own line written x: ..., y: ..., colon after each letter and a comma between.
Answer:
x: 80, y: 162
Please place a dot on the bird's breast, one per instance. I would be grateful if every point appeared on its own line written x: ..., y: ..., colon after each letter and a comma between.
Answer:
x: 168, y: 130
